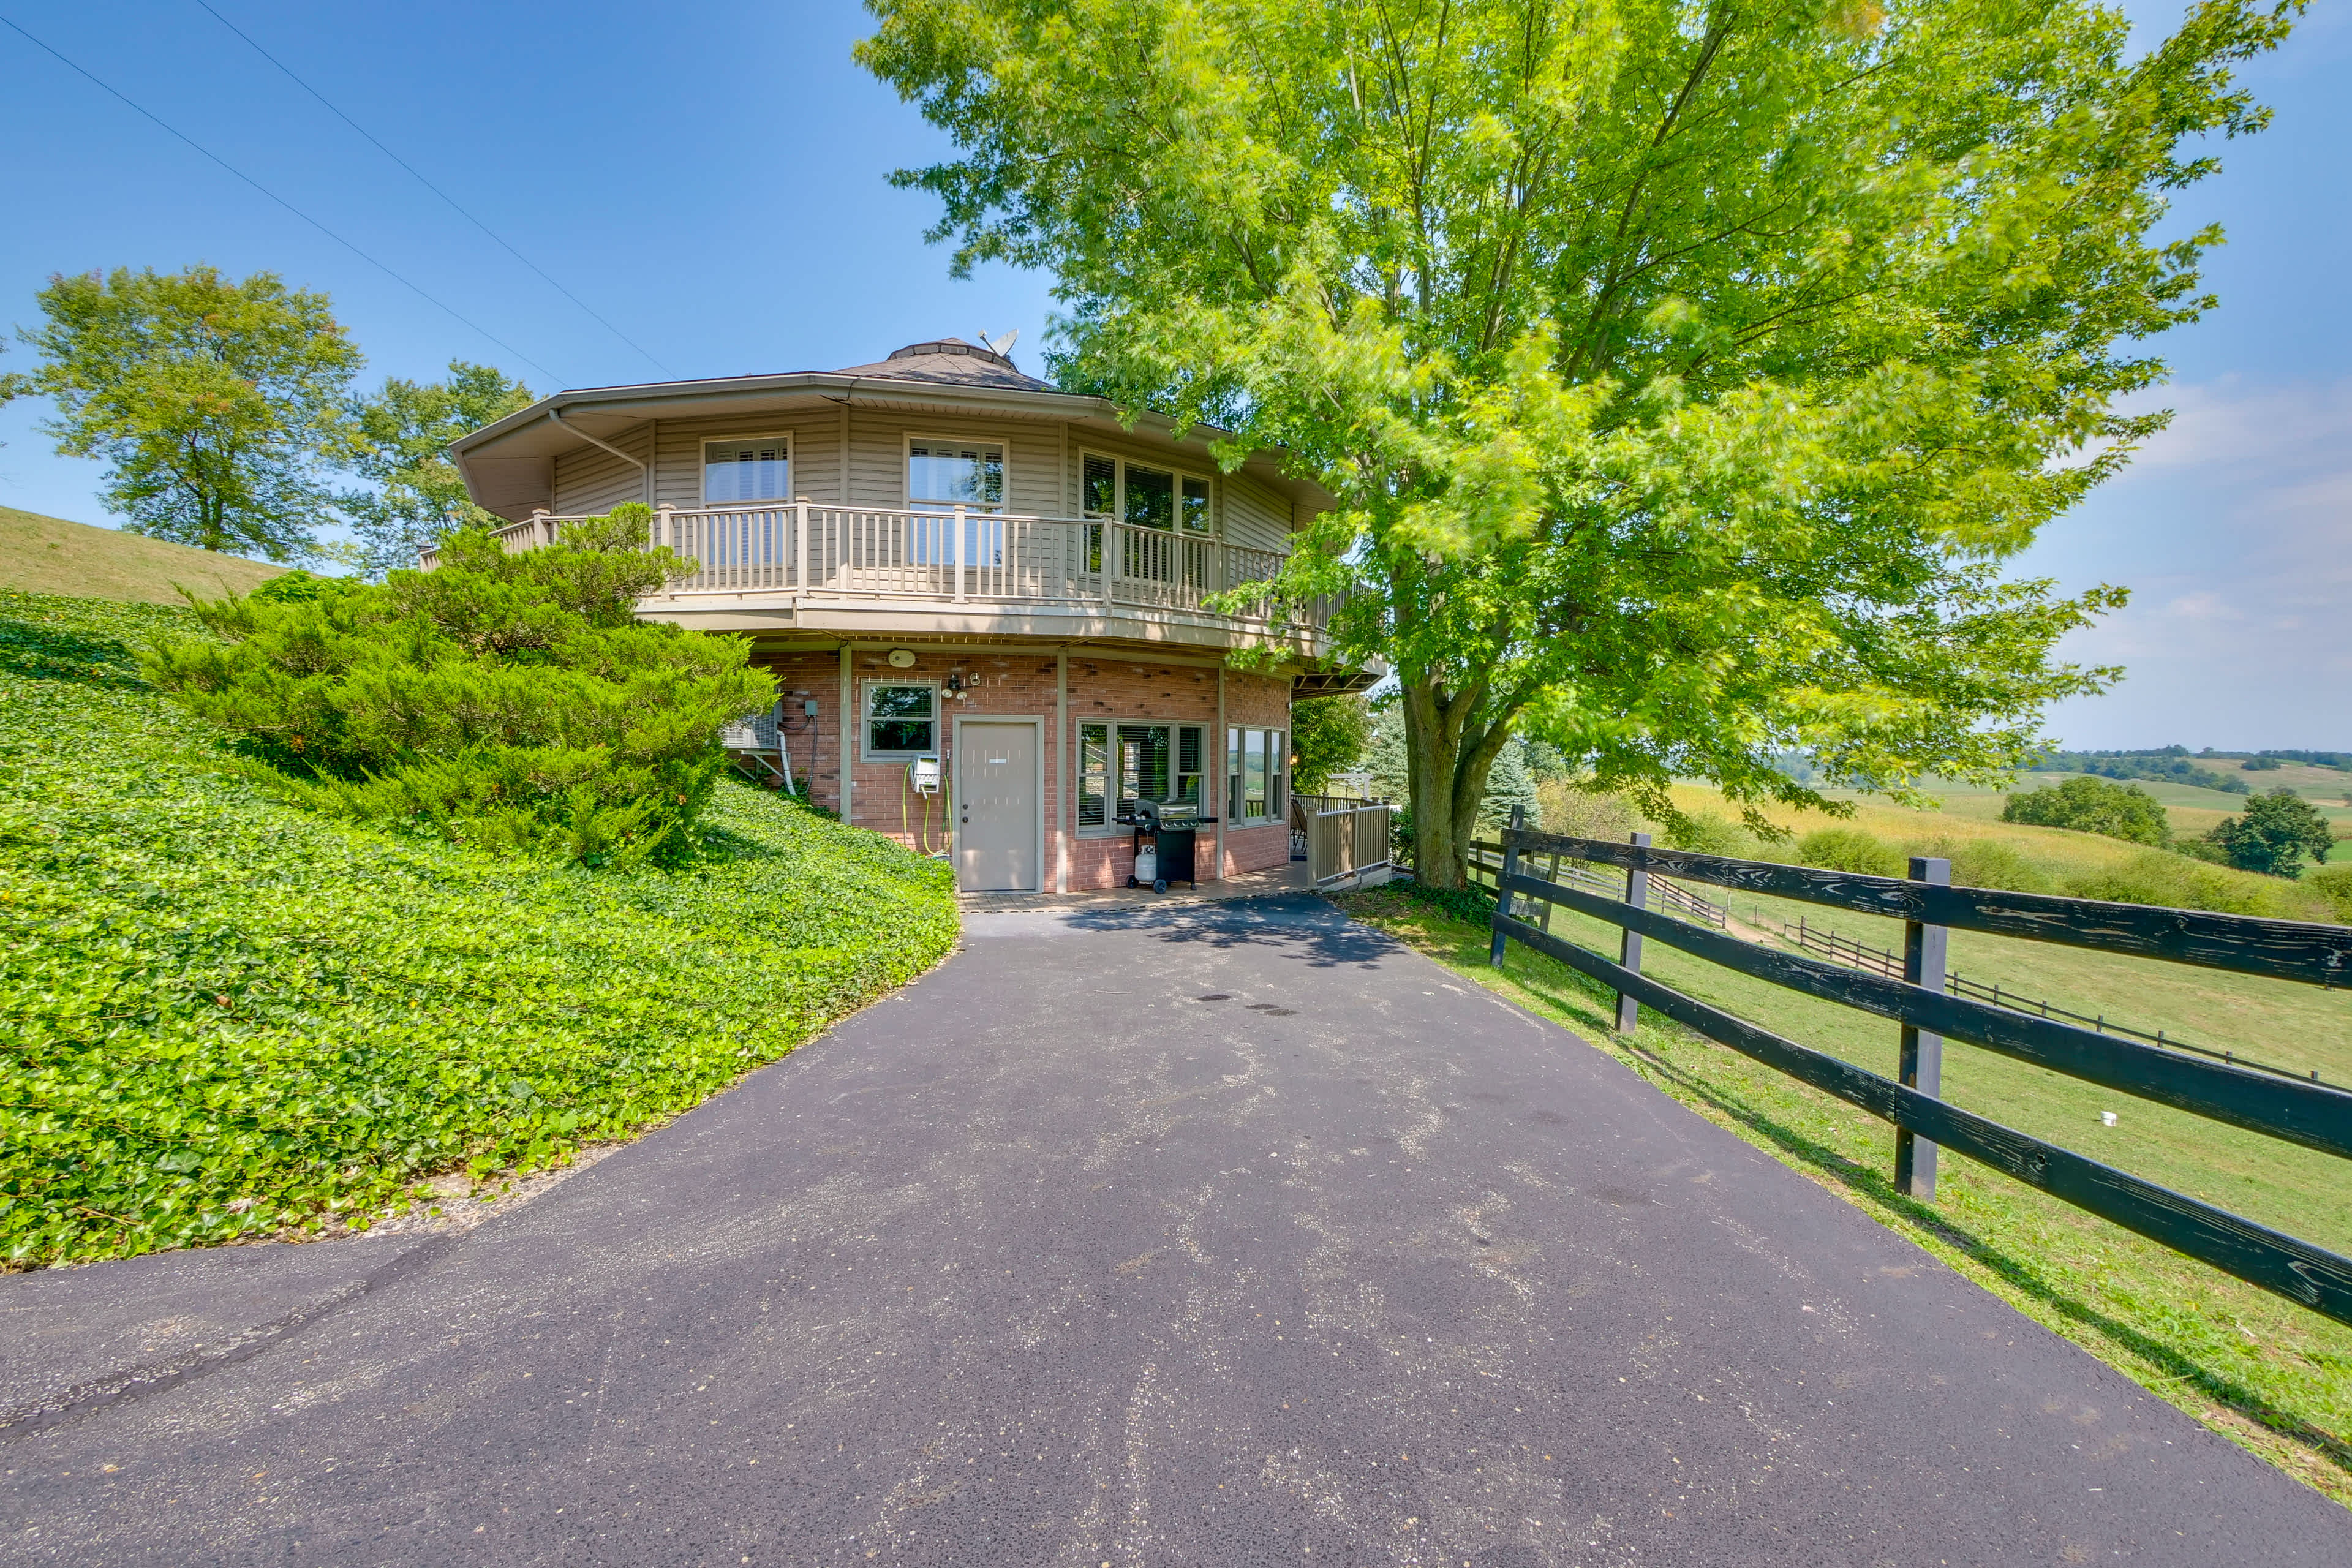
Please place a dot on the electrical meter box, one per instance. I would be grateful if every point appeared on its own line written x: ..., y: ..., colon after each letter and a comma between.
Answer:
x: 925, y: 772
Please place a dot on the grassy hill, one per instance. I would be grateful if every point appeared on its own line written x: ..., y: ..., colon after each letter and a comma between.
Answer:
x: 226, y: 1018
x: 49, y: 555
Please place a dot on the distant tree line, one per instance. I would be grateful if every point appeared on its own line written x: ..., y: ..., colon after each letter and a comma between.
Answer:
x: 2171, y: 764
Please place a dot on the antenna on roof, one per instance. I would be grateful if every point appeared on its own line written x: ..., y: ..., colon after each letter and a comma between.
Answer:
x: 1000, y: 347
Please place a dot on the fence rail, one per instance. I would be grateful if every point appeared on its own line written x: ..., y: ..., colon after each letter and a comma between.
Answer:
x: 952, y: 554
x: 1862, y: 955
x: 1485, y: 860
x: 2314, y: 1115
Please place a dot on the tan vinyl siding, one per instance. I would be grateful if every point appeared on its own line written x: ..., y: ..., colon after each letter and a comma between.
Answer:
x: 878, y: 456
x: 815, y: 436
x: 1255, y: 516
x: 593, y: 481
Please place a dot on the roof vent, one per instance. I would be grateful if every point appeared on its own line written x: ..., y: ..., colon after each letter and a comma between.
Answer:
x: 952, y: 346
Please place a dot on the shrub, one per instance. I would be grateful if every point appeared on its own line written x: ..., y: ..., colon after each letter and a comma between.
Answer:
x: 2275, y: 833
x: 1705, y: 832
x: 1988, y: 863
x: 2175, y: 881
x: 1850, y: 849
x: 510, y: 701
x: 2332, y: 883
x: 2089, y: 805
x: 1575, y: 813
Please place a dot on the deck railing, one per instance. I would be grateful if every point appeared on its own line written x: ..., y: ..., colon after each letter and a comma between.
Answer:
x: 951, y: 555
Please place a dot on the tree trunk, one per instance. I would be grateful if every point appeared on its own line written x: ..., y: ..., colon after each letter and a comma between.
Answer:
x: 1449, y: 748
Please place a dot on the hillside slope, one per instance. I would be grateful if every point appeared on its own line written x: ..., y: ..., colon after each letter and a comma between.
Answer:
x: 227, y: 1018
x: 49, y: 555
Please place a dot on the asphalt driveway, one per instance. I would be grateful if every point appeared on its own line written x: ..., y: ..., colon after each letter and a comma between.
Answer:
x: 1220, y: 1234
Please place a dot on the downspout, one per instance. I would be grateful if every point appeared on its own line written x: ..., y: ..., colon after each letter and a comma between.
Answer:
x: 556, y: 414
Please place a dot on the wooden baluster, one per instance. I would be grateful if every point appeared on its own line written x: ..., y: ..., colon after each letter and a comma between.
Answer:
x: 955, y: 554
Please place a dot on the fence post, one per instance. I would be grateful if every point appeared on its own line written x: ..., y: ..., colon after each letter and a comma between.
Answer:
x: 1502, y: 885
x: 1550, y: 876
x: 1629, y: 941
x: 1921, y: 1065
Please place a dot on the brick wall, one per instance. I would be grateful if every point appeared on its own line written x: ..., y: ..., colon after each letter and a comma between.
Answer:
x: 1024, y: 684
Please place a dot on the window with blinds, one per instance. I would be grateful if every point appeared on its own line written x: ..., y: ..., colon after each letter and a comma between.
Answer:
x: 943, y: 474
x: 1121, y: 764
x: 1143, y: 496
x: 744, y: 470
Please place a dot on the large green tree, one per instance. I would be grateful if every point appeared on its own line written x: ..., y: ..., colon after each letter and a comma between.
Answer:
x: 218, y: 405
x: 2275, y: 835
x: 404, y: 431
x: 1685, y: 373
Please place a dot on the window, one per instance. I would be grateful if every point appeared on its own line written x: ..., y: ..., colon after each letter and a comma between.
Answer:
x: 945, y: 474
x: 1254, y: 764
x: 901, y: 721
x: 757, y: 469
x: 1142, y: 496
x: 1121, y: 764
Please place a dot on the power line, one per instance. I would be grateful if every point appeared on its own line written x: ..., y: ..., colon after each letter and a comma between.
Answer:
x: 429, y: 185
x: 452, y: 312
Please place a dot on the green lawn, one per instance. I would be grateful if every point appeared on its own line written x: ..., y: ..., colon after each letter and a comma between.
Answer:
x: 2266, y: 1372
x: 226, y: 1018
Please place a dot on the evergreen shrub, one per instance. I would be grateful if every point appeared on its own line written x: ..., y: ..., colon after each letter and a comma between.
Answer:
x: 509, y: 701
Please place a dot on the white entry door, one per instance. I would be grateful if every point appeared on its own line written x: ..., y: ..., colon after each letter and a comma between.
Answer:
x: 999, y: 830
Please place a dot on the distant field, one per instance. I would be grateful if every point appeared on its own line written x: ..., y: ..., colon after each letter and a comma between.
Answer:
x: 49, y: 555
x: 1970, y: 816
x: 2192, y: 810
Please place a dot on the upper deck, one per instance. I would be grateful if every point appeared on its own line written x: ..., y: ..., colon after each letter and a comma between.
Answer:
x: 938, y: 492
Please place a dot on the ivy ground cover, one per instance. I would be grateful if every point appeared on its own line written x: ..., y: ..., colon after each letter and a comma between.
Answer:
x: 222, y: 1018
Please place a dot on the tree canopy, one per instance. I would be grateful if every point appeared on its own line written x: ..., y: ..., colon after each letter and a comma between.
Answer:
x: 1327, y: 735
x: 1685, y: 373
x: 2277, y: 833
x: 217, y: 404
x: 2093, y: 805
x: 401, y: 449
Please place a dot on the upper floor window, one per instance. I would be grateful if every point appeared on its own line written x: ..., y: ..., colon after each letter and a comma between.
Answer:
x: 1142, y: 495
x: 755, y: 469
x: 942, y: 474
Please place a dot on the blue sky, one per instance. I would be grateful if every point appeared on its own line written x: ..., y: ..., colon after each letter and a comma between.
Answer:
x: 709, y: 178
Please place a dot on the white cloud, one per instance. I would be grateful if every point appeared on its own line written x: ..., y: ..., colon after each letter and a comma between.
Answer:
x: 2233, y: 529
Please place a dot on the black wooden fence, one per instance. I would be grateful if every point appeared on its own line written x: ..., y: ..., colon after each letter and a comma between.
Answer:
x: 2317, y: 1116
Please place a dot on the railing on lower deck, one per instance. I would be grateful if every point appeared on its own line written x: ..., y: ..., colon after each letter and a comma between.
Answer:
x: 939, y: 555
